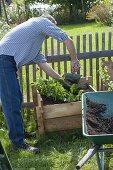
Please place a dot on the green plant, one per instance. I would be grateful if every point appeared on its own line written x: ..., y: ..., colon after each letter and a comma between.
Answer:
x: 54, y: 90
x: 104, y: 74
x: 102, y: 13
x: 4, y: 28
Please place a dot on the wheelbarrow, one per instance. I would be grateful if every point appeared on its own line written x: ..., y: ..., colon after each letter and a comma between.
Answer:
x: 4, y: 160
x: 104, y: 98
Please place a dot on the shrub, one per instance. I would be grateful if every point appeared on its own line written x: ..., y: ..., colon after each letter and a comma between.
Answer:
x: 4, y: 28
x: 102, y: 13
x: 105, y: 77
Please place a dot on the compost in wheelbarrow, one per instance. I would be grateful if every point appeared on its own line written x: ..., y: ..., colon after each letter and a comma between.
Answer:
x: 97, y: 116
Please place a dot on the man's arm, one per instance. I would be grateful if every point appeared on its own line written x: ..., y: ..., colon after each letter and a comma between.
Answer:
x: 49, y: 70
x: 71, y: 48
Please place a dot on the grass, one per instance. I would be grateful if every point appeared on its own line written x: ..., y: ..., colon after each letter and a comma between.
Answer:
x: 59, y: 151
x: 85, y: 28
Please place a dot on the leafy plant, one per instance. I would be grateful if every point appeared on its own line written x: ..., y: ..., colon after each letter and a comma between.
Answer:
x: 104, y: 74
x: 102, y: 13
x: 4, y: 28
x: 54, y: 90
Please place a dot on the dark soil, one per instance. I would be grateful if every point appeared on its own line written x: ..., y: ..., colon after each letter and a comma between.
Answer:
x: 95, y: 121
x: 47, y: 101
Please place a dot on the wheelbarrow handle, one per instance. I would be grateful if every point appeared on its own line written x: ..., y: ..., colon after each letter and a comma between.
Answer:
x: 88, y: 155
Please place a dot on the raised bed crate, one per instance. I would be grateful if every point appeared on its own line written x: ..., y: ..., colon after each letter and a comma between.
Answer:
x: 57, y: 117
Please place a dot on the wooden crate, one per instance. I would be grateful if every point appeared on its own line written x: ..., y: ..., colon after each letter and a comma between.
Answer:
x: 57, y: 117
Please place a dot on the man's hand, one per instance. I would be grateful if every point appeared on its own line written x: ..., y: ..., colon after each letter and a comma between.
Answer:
x: 75, y: 65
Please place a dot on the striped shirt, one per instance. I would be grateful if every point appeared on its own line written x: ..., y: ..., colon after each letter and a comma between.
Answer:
x: 24, y: 42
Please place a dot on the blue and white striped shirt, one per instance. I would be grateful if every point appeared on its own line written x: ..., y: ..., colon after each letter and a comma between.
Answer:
x: 24, y: 42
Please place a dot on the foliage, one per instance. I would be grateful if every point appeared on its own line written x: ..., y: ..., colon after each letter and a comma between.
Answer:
x: 102, y: 13
x: 106, y: 78
x: 70, y: 11
x: 2, y: 120
x: 16, y: 13
x: 66, y: 11
x: 54, y: 90
x: 4, y: 28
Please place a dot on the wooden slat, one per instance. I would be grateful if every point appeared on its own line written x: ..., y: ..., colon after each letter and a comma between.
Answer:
x: 103, y: 41
x: 97, y: 61
x: 39, y: 99
x: 70, y: 57
x: 60, y: 110
x: 90, y: 50
x: 34, y: 94
x: 78, y: 48
x: 58, y: 53
x: 78, y: 44
x: 109, y: 43
x: 52, y: 50
x: 84, y: 50
x: 27, y: 84
x: 40, y: 120
x: 34, y: 72
x: 103, y: 48
x: 63, y: 123
x: 46, y: 52
x: 109, y: 40
x: 65, y: 62
x: 21, y: 80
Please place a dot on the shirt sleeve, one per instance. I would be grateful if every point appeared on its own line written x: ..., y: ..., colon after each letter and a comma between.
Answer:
x: 50, y: 29
x: 40, y: 58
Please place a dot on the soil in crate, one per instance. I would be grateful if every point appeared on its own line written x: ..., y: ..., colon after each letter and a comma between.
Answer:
x: 95, y: 121
x: 48, y: 101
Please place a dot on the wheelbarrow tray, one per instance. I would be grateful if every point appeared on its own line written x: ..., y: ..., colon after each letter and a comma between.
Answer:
x: 102, y: 97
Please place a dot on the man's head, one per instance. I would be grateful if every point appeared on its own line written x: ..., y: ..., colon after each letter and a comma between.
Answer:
x: 48, y: 16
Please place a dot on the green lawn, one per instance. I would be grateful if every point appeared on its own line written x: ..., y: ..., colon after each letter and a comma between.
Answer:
x: 59, y: 151
x: 85, y: 28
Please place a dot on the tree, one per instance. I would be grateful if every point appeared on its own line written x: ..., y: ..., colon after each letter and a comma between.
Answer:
x: 77, y: 9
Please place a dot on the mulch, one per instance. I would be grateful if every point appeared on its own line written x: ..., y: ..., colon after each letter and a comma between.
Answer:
x: 95, y: 121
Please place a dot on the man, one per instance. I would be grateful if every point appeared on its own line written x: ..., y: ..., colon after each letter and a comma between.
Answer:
x: 22, y: 45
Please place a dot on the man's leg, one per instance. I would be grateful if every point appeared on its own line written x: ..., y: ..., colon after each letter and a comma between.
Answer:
x: 11, y: 98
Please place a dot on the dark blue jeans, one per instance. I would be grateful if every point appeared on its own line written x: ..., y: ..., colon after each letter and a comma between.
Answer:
x: 11, y: 98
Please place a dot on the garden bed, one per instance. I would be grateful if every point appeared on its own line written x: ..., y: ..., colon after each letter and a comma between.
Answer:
x: 57, y: 117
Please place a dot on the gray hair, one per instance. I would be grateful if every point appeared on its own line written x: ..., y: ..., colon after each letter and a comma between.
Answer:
x: 48, y: 16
